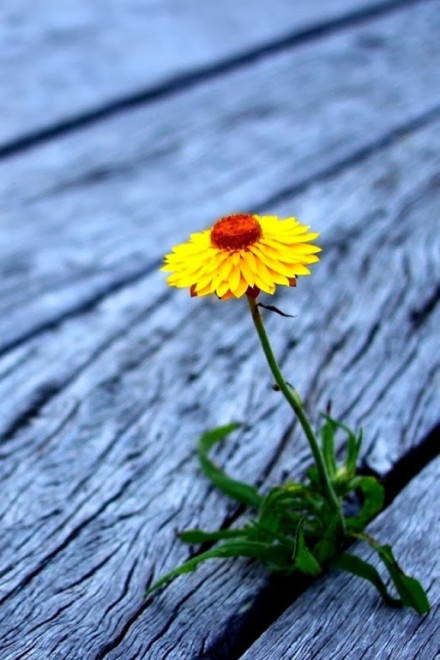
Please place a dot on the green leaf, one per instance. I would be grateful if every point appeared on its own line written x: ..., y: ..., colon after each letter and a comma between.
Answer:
x: 285, y: 506
x: 304, y: 561
x: 361, y: 568
x: 329, y: 544
x: 353, y: 446
x: 290, y: 497
x: 373, y: 498
x: 328, y: 446
x: 267, y: 534
x: 410, y: 590
x: 242, y: 492
x: 274, y: 556
x: 313, y: 475
x: 199, y: 536
x: 353, y: 449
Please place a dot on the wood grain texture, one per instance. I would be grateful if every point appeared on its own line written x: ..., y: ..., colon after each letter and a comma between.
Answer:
x: 61, y: 61
x: 95, y: 481
x: 104, y: 204
x: 340, y: 617
x: 107, y: 377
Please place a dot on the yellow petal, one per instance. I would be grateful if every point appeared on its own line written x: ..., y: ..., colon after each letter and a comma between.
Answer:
x: 222, y: 288
x: 247, y: 272
x: 234, y: 278
x: 240, y: 289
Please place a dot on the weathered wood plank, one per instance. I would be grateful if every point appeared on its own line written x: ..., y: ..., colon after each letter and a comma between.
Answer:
x: 102, y: 205
x: 115, y: 368
x: 339, y: 617
x: 89, y: 503
x: 61, y: 60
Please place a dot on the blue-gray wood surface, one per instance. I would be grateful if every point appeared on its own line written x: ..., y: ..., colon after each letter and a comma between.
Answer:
x: 323, y: 622
x: 125, y: 127
x: 70, y: 61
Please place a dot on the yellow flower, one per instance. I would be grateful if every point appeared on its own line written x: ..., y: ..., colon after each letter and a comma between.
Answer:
x: 242, y: 254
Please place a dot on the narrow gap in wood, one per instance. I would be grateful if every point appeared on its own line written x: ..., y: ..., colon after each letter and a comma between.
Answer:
x: 81, y: 306
x: 187, y: 81
x: 411, y: 464
x: 45, y: 394
x: 280, y: 197
x: 381, y: 142
x: 280, y: 592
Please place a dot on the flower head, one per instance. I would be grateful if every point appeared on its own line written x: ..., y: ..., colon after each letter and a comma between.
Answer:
x: 242, y: 254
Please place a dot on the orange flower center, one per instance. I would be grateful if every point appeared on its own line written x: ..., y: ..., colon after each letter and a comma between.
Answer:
x: 235, y: 232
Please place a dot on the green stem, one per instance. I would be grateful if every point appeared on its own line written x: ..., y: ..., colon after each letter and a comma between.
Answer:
x: 294, y: 400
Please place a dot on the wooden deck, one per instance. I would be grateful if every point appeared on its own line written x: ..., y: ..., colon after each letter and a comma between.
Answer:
x: 125, y: 127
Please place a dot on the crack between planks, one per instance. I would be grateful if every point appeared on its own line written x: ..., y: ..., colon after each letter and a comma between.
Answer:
x: 82, y: 306
x: 279, y: 593
x: 411, y: 464
x: 387, y: 139
x: 48, y: 391
x: 175, y: 84
x: 364, y: 152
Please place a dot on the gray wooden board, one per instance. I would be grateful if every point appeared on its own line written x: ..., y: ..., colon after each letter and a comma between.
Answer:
x: 62, y: 59
x: 107, y: 377
x: 340, y: 617
x: 95, y: 484
x: 104, y: 204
